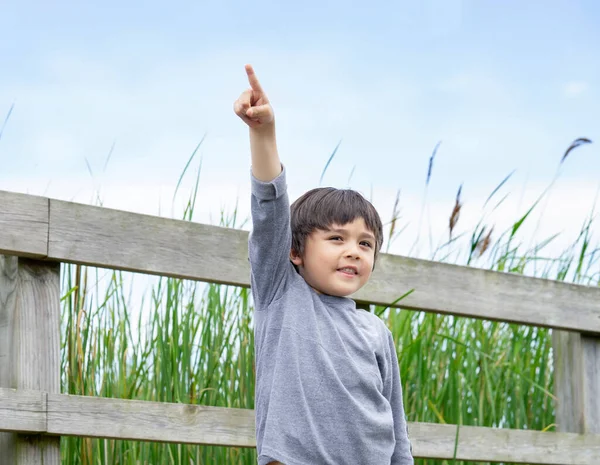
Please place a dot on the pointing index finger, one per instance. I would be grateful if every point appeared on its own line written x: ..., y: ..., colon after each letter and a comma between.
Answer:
x: 253, y: 79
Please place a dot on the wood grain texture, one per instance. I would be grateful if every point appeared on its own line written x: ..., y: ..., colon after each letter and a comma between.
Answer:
x: 503, y: 445
x: 23, y: 224
x: 577, y: 382
x: 147, y: 244
x: 30, y: 322
x: 9, y: 271
x: 22, y: 410
x: 37, y: 326
x: 192, y: 424
x: 472, y: 292
x: 590, y: 349
x: 149, y: 421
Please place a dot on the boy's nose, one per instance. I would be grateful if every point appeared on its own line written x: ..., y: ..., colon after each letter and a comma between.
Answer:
x: 353, y: 252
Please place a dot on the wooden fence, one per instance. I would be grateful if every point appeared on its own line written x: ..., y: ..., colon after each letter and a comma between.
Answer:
x: 37, y: 234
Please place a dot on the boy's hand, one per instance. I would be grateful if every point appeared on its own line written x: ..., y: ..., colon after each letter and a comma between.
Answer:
x: 253, y: 105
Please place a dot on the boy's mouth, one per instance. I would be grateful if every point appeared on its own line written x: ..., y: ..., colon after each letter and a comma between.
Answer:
x: 348, y: 270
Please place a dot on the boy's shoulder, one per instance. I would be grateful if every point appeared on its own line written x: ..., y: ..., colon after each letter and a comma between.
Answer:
x: 379, y: 323
x: 376, y: 322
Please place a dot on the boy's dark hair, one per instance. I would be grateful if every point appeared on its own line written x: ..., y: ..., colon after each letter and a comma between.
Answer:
x: 321, y: 207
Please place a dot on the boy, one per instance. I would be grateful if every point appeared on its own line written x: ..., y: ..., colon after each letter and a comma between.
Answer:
x: 327, y: 379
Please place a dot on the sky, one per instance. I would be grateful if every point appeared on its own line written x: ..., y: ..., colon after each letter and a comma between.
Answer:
x: 107, y: 102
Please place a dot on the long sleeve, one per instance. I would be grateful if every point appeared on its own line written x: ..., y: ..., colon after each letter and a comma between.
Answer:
x: 392, y: 390
x: 270, y: 239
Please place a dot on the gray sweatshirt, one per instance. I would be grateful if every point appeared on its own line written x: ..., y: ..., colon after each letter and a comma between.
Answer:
x: 327, y: 379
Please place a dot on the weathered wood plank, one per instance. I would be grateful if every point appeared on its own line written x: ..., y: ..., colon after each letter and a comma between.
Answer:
x: 22, y: 410
x: 23, y: 224
x: 147, y: 244
x: 149, y: 421
x: 9, y: 270
x: 192, y: 424
x: 30, y: 325
x: 576, y: 382
x: 503, y: 445
x: 590, y: 348
x: 472, y: 292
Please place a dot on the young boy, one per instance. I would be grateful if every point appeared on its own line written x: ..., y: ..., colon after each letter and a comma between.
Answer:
x: 327, y: 379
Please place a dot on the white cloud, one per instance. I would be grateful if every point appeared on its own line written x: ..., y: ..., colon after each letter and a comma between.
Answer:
x: 575, y: 88
x: 158, y: 115
x: 478, y: 85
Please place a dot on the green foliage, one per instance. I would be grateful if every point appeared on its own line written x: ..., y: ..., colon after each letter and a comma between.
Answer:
x: 190, y: 350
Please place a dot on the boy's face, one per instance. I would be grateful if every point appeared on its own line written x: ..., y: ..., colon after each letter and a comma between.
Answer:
x: 339, y: 260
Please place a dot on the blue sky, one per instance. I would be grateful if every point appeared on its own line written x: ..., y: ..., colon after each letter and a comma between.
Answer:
x: 503, y: 84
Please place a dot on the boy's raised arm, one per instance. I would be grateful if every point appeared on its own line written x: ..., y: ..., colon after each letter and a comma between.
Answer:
x: 270, y: 239
x: 254, y: 109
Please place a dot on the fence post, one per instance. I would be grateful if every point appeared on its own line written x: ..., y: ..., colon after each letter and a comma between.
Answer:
x: 576, y: 382
x: 29, y: 348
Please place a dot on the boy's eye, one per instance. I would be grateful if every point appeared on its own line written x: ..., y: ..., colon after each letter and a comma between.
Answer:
x: 333, y: 238
x: 366, y: 243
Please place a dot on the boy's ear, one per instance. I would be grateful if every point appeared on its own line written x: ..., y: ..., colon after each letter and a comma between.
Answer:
x: 295, y: 258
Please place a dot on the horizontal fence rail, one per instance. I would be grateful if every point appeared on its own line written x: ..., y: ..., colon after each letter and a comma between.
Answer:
x: 75, y: 233
x: 67, y: 415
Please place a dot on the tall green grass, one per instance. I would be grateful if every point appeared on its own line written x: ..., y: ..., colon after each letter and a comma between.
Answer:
x: 193, y: 343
